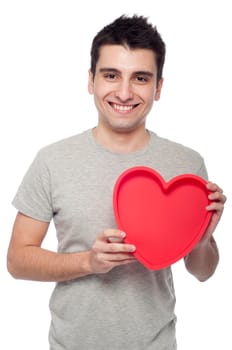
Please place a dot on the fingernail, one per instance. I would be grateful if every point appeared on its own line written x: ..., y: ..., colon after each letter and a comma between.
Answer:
x: 132, y: 248
x: 123, y: 234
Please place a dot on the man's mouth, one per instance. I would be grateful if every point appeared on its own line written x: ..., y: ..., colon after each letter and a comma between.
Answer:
x: 122, y: 107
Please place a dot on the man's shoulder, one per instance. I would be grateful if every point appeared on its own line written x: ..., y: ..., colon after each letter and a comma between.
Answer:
x: 68, y: 141
x: 65, y: 146
x: 175, y: 148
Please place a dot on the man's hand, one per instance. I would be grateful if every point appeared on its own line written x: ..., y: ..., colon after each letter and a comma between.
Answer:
x: 217, y: 206
x: 109, y: 251
x: 203, y: 259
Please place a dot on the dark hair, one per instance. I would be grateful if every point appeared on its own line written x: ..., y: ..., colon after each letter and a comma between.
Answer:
x: 134, y: 32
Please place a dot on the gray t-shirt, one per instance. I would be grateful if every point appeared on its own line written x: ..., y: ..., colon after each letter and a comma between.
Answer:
x: 130, y: 307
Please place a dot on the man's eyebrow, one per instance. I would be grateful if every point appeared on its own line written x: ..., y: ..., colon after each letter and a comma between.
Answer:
x: 144, y: 72
x: 108, y: 69
x: 114, y: 70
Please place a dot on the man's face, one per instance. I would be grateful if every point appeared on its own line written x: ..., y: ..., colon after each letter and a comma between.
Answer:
x: 124, y: 87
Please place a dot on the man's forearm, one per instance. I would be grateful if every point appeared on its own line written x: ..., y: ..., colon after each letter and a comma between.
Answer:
x: 203, y: 259
x: 38, y: 264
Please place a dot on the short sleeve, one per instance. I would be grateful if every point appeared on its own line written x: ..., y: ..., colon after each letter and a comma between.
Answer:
x: 33, y: 197
x: 202, y: 172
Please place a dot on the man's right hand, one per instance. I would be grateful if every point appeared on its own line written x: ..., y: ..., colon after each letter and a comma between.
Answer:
x: 109, y: 251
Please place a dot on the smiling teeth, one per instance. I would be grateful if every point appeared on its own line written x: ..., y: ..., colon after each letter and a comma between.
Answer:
x: 122, y: 108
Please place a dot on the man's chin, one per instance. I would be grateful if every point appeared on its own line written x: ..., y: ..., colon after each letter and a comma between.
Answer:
x: 124, y: 127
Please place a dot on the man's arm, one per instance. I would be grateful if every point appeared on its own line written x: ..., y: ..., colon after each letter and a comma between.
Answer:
x: 203, y: 259
x: 26, y: 258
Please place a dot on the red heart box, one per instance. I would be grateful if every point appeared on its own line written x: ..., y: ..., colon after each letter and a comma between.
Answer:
x: 164, y: 220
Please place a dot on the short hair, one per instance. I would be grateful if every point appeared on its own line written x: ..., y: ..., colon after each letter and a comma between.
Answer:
x: 134, y: 32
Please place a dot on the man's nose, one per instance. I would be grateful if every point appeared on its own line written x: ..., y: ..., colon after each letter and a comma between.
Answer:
x: 124, y: 91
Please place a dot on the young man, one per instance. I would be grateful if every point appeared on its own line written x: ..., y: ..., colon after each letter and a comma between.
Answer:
x: 104, y: 298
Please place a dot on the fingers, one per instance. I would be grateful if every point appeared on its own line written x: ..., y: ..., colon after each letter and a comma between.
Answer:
x: 112, y: 234
x: 109, y: 251
x: 213, y: 187
x: 115, y: 239
x: 111, y: 241
x: 117, y: 258
x: 216, y: 206
x: 216, y: 196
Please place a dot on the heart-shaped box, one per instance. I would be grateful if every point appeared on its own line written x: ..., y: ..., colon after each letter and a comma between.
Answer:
x: 164, y: 220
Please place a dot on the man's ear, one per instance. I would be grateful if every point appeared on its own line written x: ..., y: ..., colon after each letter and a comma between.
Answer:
x: 158, y: 89
x: 90, y: 82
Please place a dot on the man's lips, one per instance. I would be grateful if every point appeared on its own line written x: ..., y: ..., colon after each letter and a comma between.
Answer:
x: 119, y: 107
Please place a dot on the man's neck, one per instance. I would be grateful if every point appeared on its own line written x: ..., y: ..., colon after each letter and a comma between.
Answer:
x: 121, y: 142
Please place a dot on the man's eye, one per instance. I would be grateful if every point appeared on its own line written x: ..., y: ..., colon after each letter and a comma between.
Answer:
x: 141, y: 79
x: 110, y: 76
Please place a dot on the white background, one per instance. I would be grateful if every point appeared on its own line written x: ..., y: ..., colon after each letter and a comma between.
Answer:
x: 44, y: 61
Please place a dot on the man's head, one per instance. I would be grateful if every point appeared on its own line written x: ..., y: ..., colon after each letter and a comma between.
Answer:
x: 133, y: 32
